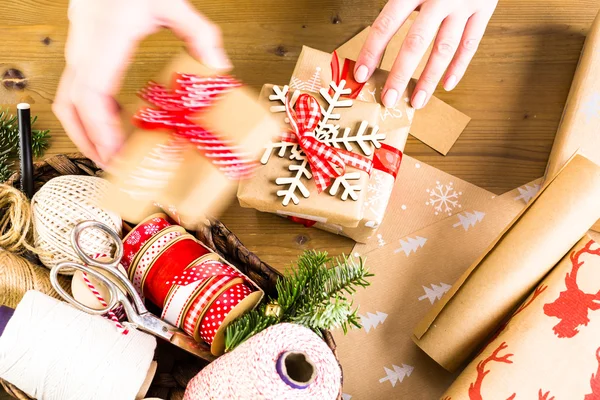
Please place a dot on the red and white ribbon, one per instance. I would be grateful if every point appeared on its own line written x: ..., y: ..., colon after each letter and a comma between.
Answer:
x: 110, y: 314
x: 326, y: 162
x: 346, y: 74
x: 177, y: 108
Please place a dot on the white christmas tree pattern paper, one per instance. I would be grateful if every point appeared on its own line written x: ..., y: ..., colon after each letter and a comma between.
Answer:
x: 469, y: 219
x: 378, y: 194
x: 370, y: 321
x: 411, y: 245
x: 312, y: 85
x: 443, y: 198
x: 527, y: 192
x: 435, y: 292
x: 397, y: 374
x: 328, y: 133
x: 346, y: 396
x: 591, y: 107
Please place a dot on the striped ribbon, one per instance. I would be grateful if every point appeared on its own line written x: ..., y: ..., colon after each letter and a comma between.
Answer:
x: 112, y: 315
x: 326, y: 162
x: 177, y: 108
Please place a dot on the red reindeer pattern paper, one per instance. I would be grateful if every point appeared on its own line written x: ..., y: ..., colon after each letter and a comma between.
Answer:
x: 550, y: 347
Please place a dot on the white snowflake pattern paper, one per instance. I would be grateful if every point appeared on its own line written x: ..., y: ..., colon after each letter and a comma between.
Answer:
x: 366, y: 139
x: 443, y: 198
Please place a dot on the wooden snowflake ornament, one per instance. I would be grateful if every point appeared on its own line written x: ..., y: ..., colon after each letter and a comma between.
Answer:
x: 350, y: 145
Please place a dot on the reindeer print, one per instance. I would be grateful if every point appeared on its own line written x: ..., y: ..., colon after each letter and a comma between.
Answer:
x: 482, y: 372
x: 573, y: 305
x: 595, y: 382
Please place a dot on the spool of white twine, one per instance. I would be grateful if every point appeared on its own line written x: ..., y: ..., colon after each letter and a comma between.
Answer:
x: 285, y: 361
x: 52, y: 351
x: 61, y: 204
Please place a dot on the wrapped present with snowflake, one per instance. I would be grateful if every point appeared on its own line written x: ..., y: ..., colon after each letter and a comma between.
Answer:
x: 319, y: 169
x: 199, y: 136
x: 317, y: 71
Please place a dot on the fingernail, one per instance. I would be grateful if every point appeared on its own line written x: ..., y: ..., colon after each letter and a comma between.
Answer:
x: 361, y: 74
x: 418, y: 100
x: 450, y: 83
x: 390, y: 98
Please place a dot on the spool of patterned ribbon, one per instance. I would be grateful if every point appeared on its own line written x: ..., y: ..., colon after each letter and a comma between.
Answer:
x: 177, y: 109
x: 196, y: 290
x: 326, y: 162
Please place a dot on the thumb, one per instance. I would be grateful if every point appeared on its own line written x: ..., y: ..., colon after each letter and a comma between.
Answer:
x: 203, y: 38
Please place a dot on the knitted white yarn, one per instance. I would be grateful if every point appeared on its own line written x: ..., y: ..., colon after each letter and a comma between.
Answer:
x: 52, y: 351
x: 61, y: 204
x: 249, y: 372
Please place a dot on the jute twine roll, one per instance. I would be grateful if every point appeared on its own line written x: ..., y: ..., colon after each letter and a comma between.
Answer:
x: 15, y: 221
x: 61, y: 204
x: 17, y: 276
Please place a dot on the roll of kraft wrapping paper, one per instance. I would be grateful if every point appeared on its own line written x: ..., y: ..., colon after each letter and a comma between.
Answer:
x: 580, y: 125
x: 53, y: 351
x: 550, y: 348
x: 285, y: 361
x: 521, y: 256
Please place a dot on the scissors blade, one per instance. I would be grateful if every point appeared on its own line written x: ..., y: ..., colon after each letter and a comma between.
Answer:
x: 188, y: 344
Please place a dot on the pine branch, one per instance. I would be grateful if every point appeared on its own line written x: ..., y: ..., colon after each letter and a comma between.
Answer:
x: 9, y: 136
x: 5, y: 167
x: 247, y: 326
x: 312, y: 295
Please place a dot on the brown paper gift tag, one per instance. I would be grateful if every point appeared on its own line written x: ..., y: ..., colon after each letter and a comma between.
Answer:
x: 580, y: 125
x: 550, y: 348
x: 412, y: 273
x: 438, y: 125
x: 261, y: 192
x: 521, y: 256
x: 153, y: 167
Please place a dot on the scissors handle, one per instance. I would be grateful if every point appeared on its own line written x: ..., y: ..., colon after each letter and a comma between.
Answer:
x: 114, y: 297
x: 107, y: 265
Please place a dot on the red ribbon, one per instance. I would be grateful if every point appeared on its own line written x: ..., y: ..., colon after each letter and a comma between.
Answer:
x: 175, y: 109
x: 346, y: 74
x: 326, y: 162
x: 387, y: 159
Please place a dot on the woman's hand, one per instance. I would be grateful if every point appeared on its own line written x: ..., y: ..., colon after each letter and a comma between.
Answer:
x: 457, y: 27
x: 102, y: 38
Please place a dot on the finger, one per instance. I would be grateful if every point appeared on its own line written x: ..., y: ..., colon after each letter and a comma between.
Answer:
x: 65, y: 112
x: 444, y: 48
x: 391, y: 18
x: 419, y: 37
x: 202, y: 37
x: 468, y: 47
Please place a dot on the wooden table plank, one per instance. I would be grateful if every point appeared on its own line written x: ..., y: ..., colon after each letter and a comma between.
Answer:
x: 515, y: 89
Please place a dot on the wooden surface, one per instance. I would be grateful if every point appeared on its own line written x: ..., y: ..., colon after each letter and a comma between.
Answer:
x: 514, y: 90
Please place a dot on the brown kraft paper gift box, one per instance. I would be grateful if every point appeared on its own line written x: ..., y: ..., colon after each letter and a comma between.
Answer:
x: 154, y: 168
x: 550, y: 348
x: 265, y: 194
x: 510, y: 269
x: 580, y: 125
x: 313, y: 72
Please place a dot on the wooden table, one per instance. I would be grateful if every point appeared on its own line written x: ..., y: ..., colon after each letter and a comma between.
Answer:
x: 515, y: 89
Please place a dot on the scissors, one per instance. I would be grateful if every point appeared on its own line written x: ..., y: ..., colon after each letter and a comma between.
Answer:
x: 137, y: 314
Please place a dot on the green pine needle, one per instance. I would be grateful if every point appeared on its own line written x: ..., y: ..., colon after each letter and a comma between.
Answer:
x: 5, y: 168
x: 312, y: 294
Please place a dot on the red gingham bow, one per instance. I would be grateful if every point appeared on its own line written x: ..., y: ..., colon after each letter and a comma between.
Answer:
x: 322, y: 158
x: 175, y: 110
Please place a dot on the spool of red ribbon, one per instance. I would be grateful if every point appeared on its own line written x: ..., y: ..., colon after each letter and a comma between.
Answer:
x: 197, y: 291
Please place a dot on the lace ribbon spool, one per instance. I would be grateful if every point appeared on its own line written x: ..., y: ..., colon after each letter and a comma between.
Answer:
x: 285, y: 361
x: 53, y: 351
x: 195, y: 289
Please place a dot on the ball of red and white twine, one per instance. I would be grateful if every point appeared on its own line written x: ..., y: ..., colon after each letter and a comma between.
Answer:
x: 196, y: 290
x: 285, y: 361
